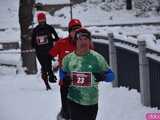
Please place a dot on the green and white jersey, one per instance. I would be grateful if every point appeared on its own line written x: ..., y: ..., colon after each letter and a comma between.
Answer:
x: 84, y: 88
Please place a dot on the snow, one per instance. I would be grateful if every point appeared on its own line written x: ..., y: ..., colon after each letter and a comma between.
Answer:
x: 150, y: 41
x: 97, y: 16
x: 5, y: 57
x: 153, y: 56
x: 127, y: 31
x: 9, y: 21
x: 9, y: 14
x: 10, y: 35
x: 25, y: 97
x: 93, y: 14
x: 1, y: 46
x: 127, y: 106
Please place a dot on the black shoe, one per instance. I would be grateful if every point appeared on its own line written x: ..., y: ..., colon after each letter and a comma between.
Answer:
x: 60, y: 117
x: 48, y: 88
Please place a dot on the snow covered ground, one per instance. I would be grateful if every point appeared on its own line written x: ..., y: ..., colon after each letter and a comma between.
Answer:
x: 94, y: 14
x: 89, y: 14
x: 10, y: 57
x: 9, y: 21
x: 23, y: 97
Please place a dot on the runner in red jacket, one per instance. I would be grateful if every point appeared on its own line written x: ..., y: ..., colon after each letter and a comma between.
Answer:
x: 61, y: 49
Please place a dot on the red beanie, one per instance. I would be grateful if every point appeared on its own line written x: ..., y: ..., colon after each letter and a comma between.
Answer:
x: 74, y: 24
x: 41, y: 17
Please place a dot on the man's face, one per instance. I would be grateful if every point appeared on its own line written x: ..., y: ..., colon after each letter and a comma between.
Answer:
x: 72, y: 34
x: 42, y: 22
x: 83, y: 43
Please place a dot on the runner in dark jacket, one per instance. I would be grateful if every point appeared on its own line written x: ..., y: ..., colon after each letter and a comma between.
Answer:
x: 43, y: 41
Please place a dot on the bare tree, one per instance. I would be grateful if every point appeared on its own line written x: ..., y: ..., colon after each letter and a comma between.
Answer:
x: 129, y: 4
x: 25, y: 21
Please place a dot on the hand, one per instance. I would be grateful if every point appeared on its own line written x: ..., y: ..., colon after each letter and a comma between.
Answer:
x: 52, y: 78
x: 107, y: 76
x: 44, y: 76
x: 67, y: 80
x: 99, y: 76
x: 55, y: 66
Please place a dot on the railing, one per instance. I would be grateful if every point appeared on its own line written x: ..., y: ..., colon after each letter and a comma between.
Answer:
x: 10, y: 45
x: 135, y: 66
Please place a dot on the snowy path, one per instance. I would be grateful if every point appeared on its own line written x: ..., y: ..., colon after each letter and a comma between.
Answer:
x: 24, y: 98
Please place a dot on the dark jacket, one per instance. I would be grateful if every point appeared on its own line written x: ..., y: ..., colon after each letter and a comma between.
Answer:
x: 42, y: 39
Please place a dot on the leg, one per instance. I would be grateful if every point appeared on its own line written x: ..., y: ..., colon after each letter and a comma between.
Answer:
x: 45, y: 79
x: 82, y: 112
x: 44, y: 72
x: 64, y: 101
x: 52, y: 77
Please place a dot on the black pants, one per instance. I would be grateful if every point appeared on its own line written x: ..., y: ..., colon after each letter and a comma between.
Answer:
x: 82, y: 112
x: 46, y: 67
x: 46, y: 62
x: 64, y: 110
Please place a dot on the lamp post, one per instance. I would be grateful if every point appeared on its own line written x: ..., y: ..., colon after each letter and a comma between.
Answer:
x: 71, y: 14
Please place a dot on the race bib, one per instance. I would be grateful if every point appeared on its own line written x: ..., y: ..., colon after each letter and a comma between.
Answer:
x: 81, y: 79
x: 41, y: 40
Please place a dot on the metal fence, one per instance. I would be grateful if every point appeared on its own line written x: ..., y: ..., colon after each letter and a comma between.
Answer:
x: 134, y: 69
x: 128, y: 69
x: 154, y: 82
x: 10, y: 45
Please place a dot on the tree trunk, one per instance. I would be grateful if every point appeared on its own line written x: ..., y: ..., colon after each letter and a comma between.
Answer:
x: 77, y: 1
x: 128, y: 4
x: 25, y: 21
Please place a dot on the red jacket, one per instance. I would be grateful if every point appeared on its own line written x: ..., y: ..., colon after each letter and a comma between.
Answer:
x: 62, y: 48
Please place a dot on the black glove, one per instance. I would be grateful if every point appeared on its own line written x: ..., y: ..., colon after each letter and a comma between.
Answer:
x: 55, y: 69
x: 99, y: 76
x: 44, y: 75
x: 67, y: 80
x: 52, y: 78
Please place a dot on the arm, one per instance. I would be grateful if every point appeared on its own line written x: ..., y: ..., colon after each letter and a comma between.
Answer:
x: 54, y: 33
x: 55, y: 50
x: 107, y: 76
x: 105, y: 73
x: 65, y: 78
